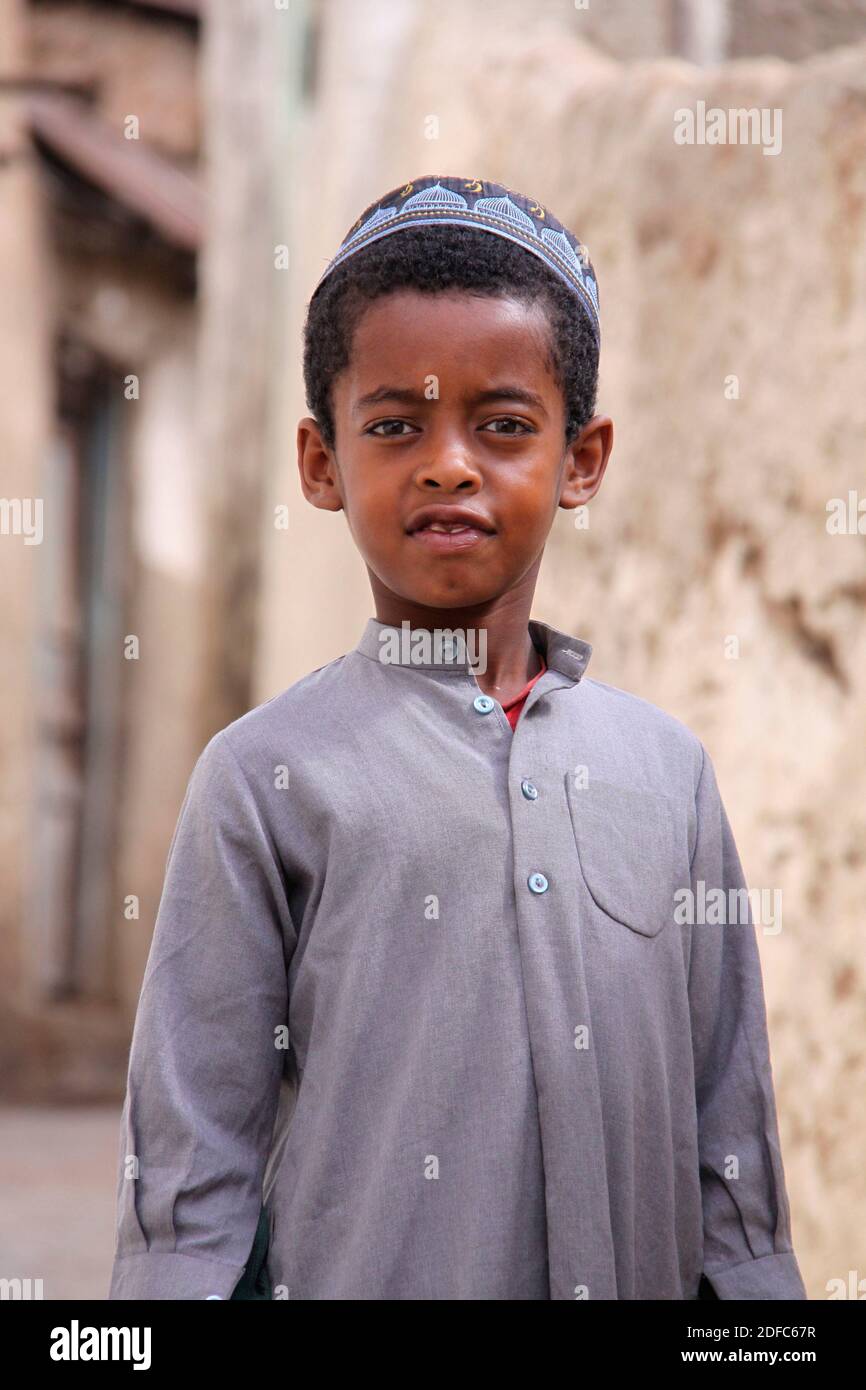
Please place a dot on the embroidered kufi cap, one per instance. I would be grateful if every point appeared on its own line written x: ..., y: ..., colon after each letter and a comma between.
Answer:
x: 442, y: 200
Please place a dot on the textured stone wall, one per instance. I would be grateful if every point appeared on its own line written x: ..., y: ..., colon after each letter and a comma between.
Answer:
x: 793, y: 29
x: 709, y: 30
x: 715, y: 263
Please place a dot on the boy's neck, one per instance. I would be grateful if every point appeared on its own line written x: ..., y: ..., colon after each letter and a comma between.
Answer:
x: 510, y: 659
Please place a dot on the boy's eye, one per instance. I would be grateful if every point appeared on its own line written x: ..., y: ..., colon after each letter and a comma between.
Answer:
x: 508, y: 420
x: 385, y: 427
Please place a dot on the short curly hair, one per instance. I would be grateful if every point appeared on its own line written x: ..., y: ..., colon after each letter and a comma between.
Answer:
x: 433, y: 259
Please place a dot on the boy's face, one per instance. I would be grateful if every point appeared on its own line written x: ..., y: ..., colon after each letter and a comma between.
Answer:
x: 449, y: 404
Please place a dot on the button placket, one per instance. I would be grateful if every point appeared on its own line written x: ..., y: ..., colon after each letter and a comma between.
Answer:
x: 482, y: 708
x: 551, y: 947
x: 485, y: 704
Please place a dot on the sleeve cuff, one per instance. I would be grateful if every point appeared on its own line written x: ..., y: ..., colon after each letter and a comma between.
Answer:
x: 167, y: 1275
x: 772, y: 1276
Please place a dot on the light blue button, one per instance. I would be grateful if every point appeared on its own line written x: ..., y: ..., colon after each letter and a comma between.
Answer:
x: 538, y: 883
x: 213, y: 1295
x: 483, y: 704
x: 530, y: 791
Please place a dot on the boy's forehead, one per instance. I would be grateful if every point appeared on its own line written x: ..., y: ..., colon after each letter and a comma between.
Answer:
x: 417, y: 314
x: 407, y: 333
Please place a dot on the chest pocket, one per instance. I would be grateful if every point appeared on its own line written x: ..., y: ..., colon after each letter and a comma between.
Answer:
x: 629, y: 848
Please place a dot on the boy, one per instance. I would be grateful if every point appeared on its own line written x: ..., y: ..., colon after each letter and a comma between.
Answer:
x: 428, y: 1003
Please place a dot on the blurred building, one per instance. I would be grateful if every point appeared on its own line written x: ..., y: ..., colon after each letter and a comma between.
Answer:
x: 103, y: 218
x: 129, y: 622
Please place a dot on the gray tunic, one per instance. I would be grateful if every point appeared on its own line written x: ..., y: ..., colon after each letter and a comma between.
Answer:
x: 422, y: 988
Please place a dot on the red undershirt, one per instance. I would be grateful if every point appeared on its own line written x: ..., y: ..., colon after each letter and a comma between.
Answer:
x: 514, y: 707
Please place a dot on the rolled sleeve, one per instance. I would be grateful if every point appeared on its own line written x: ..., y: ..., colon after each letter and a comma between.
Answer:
x: 155, y: 1275
x: 205, y: 1065
x: 771, y: 1277
x: 748, y: 1251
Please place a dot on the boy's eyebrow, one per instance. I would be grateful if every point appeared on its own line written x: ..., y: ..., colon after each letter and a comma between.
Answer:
x: 408, y: 395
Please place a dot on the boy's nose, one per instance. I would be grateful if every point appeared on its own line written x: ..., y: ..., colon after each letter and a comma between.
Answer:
x: 449, y: 467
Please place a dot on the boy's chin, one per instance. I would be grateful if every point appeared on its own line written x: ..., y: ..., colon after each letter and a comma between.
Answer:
x: 448, y: 596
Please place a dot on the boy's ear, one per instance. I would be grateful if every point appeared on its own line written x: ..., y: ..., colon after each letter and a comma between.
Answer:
x: 317, y: 466
x: 585, y: 461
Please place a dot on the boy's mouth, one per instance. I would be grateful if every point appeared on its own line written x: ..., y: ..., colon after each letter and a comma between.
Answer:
x: 446, y: 528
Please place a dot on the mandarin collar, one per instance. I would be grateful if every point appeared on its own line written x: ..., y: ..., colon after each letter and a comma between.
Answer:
x: 400, y: 646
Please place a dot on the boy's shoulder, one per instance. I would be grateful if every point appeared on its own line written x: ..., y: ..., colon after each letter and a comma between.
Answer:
x: 296, y: 717
x: 630, y: 722
x: 295, y: 712
x: 628, y: 708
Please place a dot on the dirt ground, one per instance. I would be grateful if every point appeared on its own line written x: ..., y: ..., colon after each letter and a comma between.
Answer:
x: 58, y: 1173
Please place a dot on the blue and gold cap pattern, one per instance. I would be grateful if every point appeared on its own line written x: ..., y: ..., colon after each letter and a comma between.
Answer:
x: 438, y: 199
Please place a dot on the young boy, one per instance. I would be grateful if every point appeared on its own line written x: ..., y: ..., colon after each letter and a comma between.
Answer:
x: 443, y: 1000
